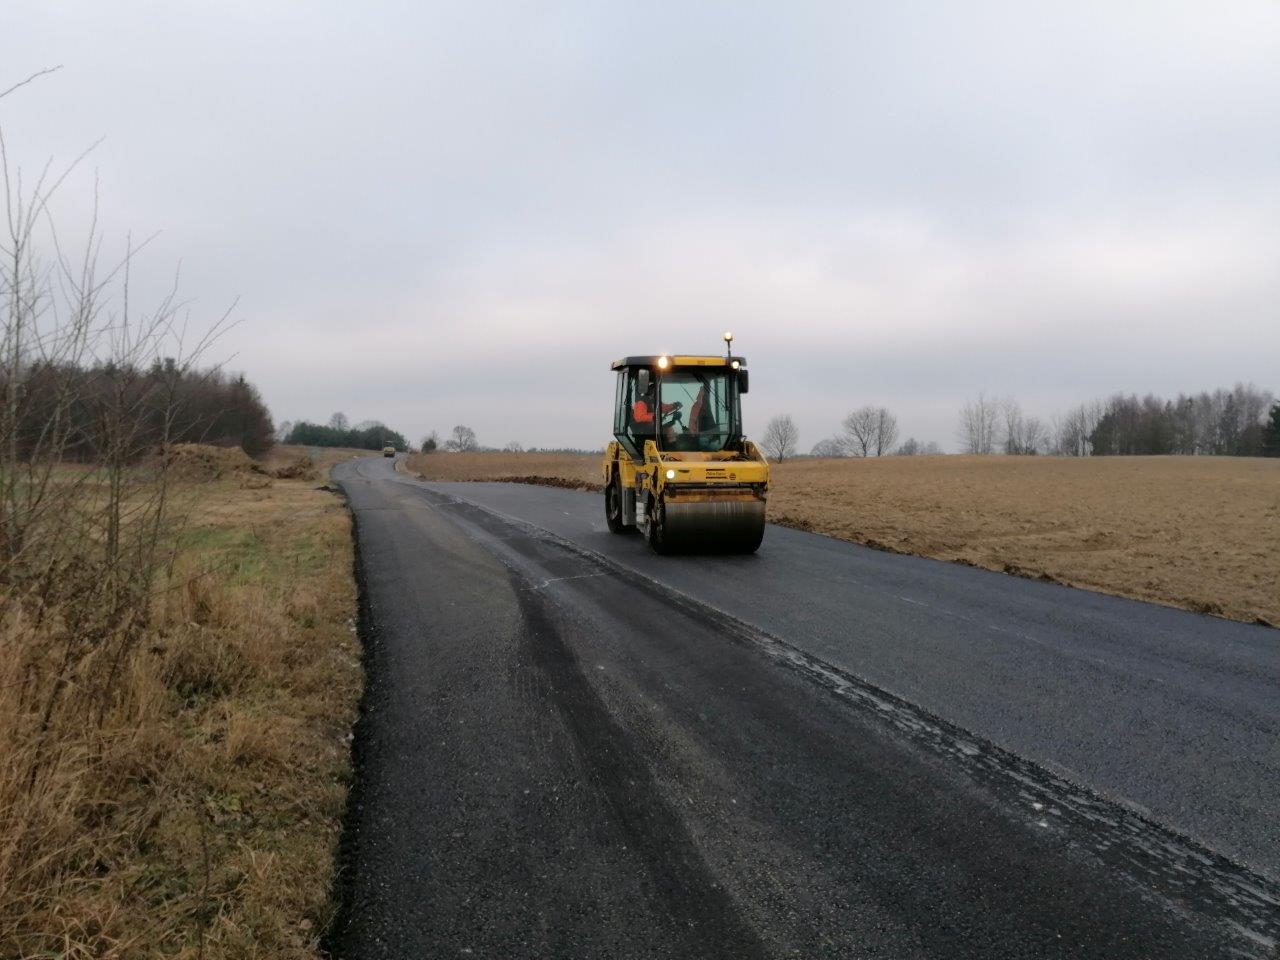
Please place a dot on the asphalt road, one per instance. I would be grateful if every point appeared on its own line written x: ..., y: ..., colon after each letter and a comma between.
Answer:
x: 571, y: 748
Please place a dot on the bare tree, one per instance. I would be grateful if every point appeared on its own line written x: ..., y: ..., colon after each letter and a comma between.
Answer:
x: 1023, y: 436
x: 1072, y: 431
x: 911, y: 447
x: 339, y: 421
x: 977, y: 429
x: 1035, y: 436
x: 430, y: 443
x: 463, y: 440
x: 1011, y: 413
x: 828, y: 448
x: 781, y: 437
x: 860, y: 431
x: 870, y: 431
x: 886, y: 432
x: 513, y: 446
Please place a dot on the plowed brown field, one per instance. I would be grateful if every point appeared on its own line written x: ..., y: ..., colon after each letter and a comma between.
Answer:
x: 1197, y: 532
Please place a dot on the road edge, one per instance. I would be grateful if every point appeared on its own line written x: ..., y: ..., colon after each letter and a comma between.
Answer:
x: 346, y: 854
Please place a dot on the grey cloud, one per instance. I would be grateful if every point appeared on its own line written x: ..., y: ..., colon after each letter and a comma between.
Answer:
x: 441, y: 213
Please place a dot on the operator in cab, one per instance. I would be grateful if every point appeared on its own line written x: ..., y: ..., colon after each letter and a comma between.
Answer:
x: 642, y: 410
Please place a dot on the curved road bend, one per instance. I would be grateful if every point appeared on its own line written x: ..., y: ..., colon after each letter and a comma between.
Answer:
x: 572, y: 748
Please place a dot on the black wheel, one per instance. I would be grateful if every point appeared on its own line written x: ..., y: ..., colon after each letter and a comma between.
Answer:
x: 613, y: 506
x: 656, y: 528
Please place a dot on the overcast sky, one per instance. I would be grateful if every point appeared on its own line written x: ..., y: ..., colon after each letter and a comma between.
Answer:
x: 460, y: 213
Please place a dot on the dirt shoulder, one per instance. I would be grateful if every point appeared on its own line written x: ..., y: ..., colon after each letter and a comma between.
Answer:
x: 552, y: 469
x: 1201, y: 533
x: 322, y: 458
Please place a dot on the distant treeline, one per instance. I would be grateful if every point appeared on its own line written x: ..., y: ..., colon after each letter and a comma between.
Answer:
x: 1231, y: 423
x: 371, y: 436
x: 462, y: 439
x: 1241, y: 422
x: 94, y: 409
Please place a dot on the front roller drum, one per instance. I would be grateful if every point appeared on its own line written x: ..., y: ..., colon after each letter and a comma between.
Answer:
x: 707, y: 526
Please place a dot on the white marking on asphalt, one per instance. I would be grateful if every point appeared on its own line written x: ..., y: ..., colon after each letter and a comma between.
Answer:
x: 580, y: 576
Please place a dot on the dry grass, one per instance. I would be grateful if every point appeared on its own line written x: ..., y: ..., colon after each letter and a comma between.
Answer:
x: 1196, y: 532
x: 323, y: 458
x: 198, y: 813
x: 575, y: 469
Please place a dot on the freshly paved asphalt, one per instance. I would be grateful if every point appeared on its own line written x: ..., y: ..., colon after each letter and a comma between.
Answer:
x: 572, y: 748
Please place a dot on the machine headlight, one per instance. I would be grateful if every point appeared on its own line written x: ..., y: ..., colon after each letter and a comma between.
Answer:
x: 662, y: 363
x: 671, y: 474
x: 735, y: 364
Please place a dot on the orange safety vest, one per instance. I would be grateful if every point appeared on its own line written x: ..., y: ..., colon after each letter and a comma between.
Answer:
x: 641, y: 413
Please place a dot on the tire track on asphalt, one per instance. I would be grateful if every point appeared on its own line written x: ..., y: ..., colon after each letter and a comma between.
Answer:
x: 683, y: 884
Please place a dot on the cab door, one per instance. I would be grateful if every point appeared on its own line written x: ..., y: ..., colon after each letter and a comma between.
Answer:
x: 633, y: 382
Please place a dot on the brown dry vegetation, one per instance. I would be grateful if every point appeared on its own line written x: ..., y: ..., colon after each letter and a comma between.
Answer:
x: 1197, y: 532
x: 192, y: 807
x: 177, y: 667
x: 580, y: 469
x: 321, y: 458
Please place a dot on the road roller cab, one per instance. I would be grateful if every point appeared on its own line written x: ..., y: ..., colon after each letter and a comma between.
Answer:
x: 679, y: 468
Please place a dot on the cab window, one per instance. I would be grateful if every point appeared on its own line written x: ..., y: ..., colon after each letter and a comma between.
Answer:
x: 706, y: 416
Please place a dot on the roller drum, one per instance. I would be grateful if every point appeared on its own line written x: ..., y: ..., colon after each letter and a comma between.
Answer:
x: 710, y: 526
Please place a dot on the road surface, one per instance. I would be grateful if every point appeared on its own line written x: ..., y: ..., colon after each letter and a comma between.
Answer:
x: 572, y: 748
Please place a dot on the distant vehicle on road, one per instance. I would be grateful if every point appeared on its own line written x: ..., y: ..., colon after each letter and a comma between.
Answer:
x: 388, y: 451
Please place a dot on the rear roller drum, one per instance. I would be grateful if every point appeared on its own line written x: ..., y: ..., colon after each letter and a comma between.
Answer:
x: 706, y: 526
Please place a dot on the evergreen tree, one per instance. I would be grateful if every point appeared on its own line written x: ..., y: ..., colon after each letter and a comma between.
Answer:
x: 373, y: 437
x: 1271, y: 434
x: 166, y: 403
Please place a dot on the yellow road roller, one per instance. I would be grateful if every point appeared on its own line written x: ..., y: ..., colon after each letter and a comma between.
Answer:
x: 679, y: 469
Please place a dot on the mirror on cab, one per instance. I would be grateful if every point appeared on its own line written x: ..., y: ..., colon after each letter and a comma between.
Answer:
x: 642, y: 383
x: 742, y: 381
